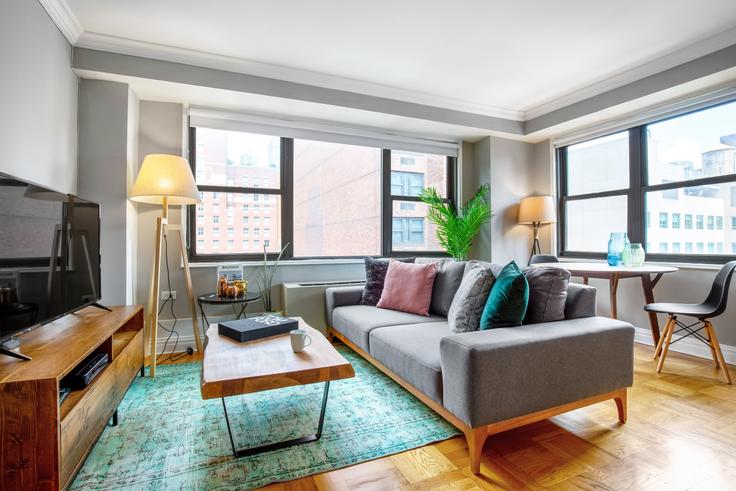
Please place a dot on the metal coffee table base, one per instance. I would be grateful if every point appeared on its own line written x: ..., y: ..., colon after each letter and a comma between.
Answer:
x: 244, y: 452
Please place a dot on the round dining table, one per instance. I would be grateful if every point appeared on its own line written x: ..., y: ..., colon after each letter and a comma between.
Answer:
x: 650, y: 275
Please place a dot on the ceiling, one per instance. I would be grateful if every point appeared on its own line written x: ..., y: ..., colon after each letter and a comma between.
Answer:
x: 513, y: 60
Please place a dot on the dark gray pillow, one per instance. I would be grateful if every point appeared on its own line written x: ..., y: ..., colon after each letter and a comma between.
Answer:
x: 547, y: 294
x: 375, y: 275
x: 470, y: 299
x: 446, y: 282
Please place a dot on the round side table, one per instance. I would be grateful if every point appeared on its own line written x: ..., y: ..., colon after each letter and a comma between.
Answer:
x: 214, y: 299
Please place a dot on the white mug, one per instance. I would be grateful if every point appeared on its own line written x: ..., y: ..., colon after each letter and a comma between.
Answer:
x: 299, y: 340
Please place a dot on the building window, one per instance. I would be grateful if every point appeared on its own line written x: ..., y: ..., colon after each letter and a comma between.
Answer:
x: 216, y: 219
x: 406, y: 183
x: 675, y: 247
x: 323, y: 199
x: 663, y: 170
x: 407, y: 231
x: 663, y: 247
x: 200, y: 231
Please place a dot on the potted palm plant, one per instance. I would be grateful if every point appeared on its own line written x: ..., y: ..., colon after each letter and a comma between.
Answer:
x: 456, y: 229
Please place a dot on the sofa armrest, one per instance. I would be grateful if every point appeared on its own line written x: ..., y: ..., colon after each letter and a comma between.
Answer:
x: 490, y: 376
x: 581, y: 301
x: 337, y: 296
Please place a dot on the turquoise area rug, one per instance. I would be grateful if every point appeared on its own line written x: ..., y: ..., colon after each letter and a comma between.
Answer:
x: 169, y: 438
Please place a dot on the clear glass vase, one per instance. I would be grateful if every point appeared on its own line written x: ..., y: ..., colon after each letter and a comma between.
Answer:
x: 633, y: 255
x: 616, y: 245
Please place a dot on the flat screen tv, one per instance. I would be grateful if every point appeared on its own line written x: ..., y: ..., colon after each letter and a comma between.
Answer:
x: 49, y: 256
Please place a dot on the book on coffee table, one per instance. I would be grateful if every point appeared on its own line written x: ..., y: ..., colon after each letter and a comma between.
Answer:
x: 252, y: 328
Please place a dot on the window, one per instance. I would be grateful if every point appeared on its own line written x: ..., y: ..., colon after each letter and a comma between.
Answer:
x: 200, y: 231
x: 221, y: 161
x: 324, y: 199
x: 676, y: 220
x: 406, y: 183
x: 407, y: 231
x: 680, y: 171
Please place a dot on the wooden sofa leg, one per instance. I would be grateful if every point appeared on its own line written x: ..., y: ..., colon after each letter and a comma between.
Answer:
x: 476, y: 437
x: 621, y: 405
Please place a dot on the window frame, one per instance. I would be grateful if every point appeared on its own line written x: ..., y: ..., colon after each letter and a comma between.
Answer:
x: 636, y: 196
x: 286, y: 192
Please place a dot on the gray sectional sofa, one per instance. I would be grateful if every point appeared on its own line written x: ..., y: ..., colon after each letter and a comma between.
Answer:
x: 485, y: 382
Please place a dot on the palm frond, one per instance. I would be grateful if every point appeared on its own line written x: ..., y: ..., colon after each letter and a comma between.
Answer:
x: 456, y: 231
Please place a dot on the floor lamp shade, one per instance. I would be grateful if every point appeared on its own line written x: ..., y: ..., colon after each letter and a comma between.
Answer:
x: 165, y: 176
x: 537, y: 209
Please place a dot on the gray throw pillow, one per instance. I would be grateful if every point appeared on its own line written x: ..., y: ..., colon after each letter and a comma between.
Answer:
x: 547, y: 294
x: 470, y: 299
x: 375, y: 275
x: 446, y: 283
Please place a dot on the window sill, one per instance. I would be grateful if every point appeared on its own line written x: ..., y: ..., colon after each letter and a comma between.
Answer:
x: 285, y: 262
x: 674, y: 264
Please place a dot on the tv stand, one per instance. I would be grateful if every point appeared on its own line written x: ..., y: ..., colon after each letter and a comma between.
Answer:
x: 45, y: 442
x: 14, y: 354
x: 100, y: 306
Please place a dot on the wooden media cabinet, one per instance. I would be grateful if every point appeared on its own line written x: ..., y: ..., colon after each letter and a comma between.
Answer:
x: 43, y: 443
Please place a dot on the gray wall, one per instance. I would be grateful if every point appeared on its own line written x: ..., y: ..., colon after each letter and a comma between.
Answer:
x: 38, y: 97
x: 108, y: 130
x: 514, y: 170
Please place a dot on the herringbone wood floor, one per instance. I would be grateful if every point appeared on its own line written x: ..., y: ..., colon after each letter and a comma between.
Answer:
x: 681, y: 434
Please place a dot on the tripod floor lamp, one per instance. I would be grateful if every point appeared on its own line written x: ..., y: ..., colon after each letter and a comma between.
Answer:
x: 166, y: 180
x: 537, y: 210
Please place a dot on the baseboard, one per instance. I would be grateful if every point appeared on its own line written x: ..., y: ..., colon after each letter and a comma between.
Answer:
x: 689, y: 346
x: 186, y: 334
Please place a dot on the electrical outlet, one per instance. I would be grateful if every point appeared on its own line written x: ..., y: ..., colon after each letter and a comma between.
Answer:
x: 165, y: 295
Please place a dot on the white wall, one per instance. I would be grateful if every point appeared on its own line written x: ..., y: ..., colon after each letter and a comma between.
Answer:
x: 108, y: 129
x: 38, y: 97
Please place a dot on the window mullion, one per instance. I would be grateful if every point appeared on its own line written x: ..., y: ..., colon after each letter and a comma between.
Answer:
x: 386, y: 203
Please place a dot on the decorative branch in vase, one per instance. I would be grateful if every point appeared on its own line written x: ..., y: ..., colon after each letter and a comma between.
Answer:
x: 457, y: 229
x: 265, y: 280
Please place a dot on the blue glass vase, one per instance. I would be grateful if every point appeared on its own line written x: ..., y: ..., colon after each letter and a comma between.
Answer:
x: 616, y: 245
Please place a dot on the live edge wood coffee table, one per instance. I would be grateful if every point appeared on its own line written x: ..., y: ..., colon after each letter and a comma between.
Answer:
x: 230, y: 368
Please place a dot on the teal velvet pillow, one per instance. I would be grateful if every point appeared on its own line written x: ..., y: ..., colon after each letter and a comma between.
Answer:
x: 507, y: 302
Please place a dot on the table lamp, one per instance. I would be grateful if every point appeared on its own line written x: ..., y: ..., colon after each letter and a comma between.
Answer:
x: 537, y: 210
x: 166, y: 180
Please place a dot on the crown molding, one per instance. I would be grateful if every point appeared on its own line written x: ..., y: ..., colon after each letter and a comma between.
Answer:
x: 104, y: 42
x: 64, y: 19
x: 642, y: 70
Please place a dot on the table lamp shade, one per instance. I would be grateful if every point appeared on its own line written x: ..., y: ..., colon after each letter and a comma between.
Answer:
x: 539, y: 209
x: 165, y: 176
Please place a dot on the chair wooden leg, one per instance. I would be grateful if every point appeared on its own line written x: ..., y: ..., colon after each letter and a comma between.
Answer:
x: 708, y: 336
x: 666, y: 345
x: 621, y: 406
x: 476, y: 437
x: 716, y: 345
x: 658, y: 348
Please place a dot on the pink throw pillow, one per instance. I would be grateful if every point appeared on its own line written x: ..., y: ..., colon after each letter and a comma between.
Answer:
x: 408, y: 287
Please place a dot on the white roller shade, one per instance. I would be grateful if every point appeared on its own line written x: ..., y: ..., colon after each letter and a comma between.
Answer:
x: 320, y: 131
